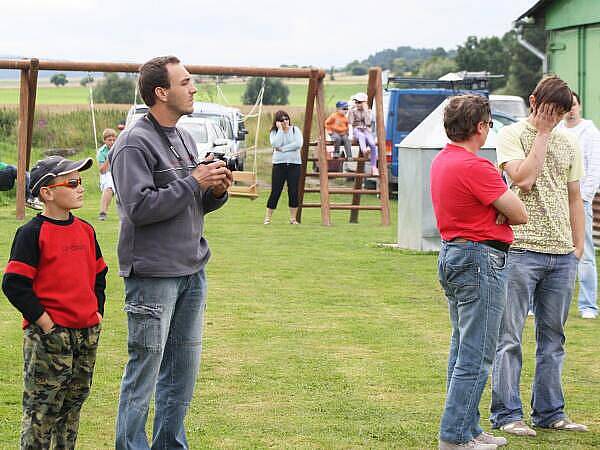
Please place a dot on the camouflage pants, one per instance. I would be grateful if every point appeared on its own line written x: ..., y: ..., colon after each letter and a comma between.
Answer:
x: 57, y: 378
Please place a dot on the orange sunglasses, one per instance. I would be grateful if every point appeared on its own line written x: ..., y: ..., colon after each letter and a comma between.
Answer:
x: 69, y: 183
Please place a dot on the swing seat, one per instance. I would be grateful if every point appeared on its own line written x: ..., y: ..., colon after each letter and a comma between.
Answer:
x: 244, y: 185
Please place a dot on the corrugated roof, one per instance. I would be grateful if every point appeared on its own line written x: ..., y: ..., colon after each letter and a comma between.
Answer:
x: 534, y: 9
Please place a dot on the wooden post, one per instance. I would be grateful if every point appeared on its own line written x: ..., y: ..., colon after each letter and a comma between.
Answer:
x: 381, y: 150
x: 308, y: 118
x: 322, y: 149
x: 33, y: 76
x: 360, y: 166
x: 24, y: 102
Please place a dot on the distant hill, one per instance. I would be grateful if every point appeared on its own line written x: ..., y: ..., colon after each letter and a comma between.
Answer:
x: 385, y: 58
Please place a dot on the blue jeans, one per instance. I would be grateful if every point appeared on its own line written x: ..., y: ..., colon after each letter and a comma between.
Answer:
x: 164, y: 317
x: 588, y: 277
x: 473, y: 276
x: 548, y: 280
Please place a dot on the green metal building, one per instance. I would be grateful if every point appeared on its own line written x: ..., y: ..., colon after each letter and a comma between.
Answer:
x: 573, y: 48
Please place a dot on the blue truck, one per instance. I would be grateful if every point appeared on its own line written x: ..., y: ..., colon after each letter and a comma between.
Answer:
x: 407, y: 101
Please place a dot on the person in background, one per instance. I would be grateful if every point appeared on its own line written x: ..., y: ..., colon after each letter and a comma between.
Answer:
x: 337, y: 126
x: 8, y: 175
x: 588, y: 137
x: 286, y: 140
x: 544, y: 166
x: 473, y: 207
x: 56, y: 278
x: 106, y: 183
x: 360, y: 118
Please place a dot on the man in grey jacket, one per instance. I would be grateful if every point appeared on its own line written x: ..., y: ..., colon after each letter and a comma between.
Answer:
x: 163, y: 195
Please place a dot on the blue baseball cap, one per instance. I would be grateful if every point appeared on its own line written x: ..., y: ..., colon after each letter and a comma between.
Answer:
x: 341, y: 105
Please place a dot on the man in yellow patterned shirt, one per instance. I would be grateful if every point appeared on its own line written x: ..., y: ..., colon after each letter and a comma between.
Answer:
x: 544, y: 166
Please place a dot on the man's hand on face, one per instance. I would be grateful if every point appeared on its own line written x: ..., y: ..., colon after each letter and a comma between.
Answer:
x: 545, y: 117
x: 211, y: 175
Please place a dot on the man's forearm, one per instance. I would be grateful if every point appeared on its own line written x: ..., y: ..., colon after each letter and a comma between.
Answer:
x: 577, y: 218
x: 527, y: 171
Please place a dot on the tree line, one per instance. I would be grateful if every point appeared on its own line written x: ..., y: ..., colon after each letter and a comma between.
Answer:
x: 497, y: 55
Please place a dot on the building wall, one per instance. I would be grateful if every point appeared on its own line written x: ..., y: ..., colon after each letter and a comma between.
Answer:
x: 571, y: 13
x: 574, y: 55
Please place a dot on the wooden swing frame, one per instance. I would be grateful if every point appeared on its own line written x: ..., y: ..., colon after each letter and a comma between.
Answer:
x: 29, y: 69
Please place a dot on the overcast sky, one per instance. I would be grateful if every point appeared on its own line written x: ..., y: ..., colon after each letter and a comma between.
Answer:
x: 246, y: 33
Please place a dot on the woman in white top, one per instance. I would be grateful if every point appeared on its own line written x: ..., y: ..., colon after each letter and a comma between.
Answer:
x: 286, y: 140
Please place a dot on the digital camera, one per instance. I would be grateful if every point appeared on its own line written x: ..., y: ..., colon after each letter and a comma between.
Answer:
x: 230, y: 163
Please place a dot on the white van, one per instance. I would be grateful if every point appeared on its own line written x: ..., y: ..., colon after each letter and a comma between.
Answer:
x: 211, y: 124
x: 511, y: 105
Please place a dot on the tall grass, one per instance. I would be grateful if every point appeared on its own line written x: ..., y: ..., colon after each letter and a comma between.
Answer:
x: 72, y: 129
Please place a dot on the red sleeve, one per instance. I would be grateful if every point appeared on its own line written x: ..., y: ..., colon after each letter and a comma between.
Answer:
x: 484, y: 181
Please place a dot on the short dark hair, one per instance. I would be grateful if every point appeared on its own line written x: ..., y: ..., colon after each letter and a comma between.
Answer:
x: 154, y: 74
x: 576, y: 96
x: 462, y: 115
x: 551, y: 89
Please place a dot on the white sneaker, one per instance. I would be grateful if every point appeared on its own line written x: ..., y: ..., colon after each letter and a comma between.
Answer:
x: 34, y: 203
x: 588, y: 315
x: 472, y: 444
x: 486, y: 438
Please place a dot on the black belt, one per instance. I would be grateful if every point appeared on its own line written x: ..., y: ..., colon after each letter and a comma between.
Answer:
x: 498, y: 245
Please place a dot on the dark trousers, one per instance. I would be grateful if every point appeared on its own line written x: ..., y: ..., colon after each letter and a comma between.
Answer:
x: 281, y: 173
x: 8, y: 175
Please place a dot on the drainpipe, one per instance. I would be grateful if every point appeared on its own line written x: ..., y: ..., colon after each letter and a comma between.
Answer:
x: 518, y: 27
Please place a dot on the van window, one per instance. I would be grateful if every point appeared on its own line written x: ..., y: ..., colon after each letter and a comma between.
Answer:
x: 515, y: 108
x: 413, y: 108
x: 197, y: 130
x: 223, y: 122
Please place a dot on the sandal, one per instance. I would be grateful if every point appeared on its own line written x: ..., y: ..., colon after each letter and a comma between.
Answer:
x: 519, y: 428
x: 566, y: 425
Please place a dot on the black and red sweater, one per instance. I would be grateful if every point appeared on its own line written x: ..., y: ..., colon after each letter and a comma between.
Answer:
x: 56, y: 266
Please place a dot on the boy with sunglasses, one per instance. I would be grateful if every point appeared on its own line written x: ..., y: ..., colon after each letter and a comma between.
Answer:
x: 56, y: 278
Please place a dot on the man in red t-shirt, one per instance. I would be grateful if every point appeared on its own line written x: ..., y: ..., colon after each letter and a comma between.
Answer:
x: 473, y: 207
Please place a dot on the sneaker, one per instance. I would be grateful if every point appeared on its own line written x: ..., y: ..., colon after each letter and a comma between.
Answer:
x: 472, y: 444
x: 588, y: 315
x: 566, y: 425
x: 294, y: 221
x: 267, y: 221
x: 34, y: 203
x: 102, y: 216
x: 518, y: 428
x: 486, y: 438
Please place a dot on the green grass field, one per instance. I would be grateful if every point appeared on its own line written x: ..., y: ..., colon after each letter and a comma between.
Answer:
x: 314, y: 338
x: 73, y: 95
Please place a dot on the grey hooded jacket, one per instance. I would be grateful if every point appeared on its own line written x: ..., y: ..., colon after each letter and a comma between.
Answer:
x: 161, y: 205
